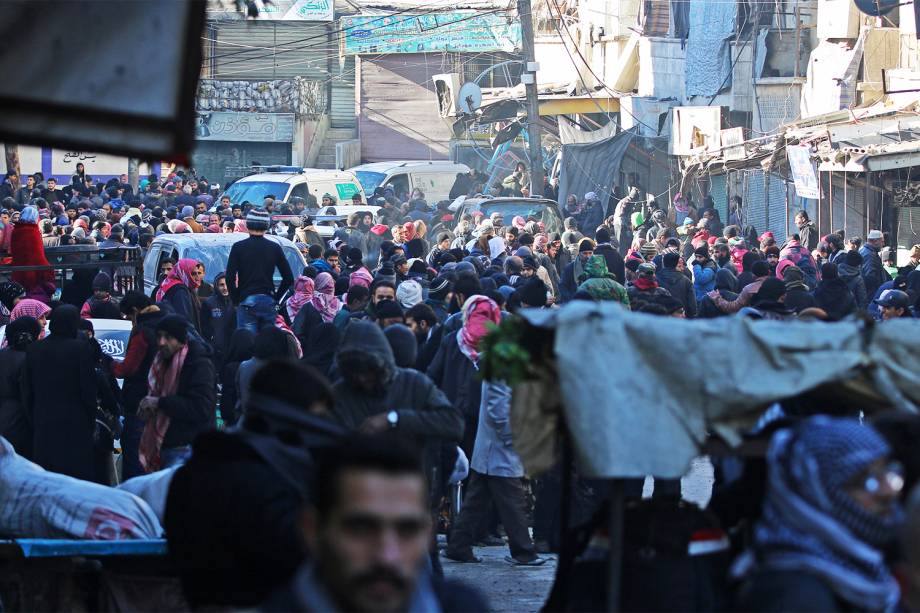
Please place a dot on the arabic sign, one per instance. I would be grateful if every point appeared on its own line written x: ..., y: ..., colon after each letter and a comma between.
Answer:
x: 297, y: 10
x: 250, y: 127
x: 346, y: 190
x: 64, y: 163
x: 803, y: 171
x: 451, y: 31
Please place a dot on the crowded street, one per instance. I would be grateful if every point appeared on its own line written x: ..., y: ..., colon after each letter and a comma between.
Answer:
x: 514, y: 307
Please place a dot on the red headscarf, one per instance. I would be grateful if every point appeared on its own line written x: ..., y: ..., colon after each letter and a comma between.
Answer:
x: 409, y: 229
x: 478, y: 313
x: 181, y: 274
x: 324, y: 300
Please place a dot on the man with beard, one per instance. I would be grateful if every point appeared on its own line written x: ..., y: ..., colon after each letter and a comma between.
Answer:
x: 369, y: 530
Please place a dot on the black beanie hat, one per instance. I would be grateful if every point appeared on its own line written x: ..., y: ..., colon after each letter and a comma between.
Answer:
x: 532, y: 293
x: 174, y: 325
x: 387, y: 309
x: 760, y: 268
x: 602, y: 235
x: 853, y: 258
x: 702, y: 250
x: 585, y: 245
x: 669, y: 260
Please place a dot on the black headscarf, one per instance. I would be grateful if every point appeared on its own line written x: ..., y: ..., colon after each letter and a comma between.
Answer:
x: 321, y: 347
x: 833, y: 295
x: 10, y: 291
x: 65, y: 321
x: 240, y: 347
x: 22, y: 332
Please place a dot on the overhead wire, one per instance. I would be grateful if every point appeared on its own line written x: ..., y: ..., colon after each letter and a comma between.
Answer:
x: 274, y: 54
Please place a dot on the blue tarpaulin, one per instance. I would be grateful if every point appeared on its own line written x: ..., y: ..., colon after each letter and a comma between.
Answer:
x: 593, y: 167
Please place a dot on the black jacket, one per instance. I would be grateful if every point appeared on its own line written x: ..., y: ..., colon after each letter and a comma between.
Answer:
x: 191, y: 408
x: 254, y: 261
x: 424, y: 412
x: 14, y: 426
x: 455, y: 374
x: 59, y: 396
x: 181, y: 301
x: 218, y: 321
x: 250, y: 542
x: 835, y: 298
x: 615, y: 263
x: 680, y: 287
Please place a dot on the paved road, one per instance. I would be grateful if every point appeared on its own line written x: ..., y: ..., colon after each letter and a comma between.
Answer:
x: 517, y: 589
x: 522, y: 589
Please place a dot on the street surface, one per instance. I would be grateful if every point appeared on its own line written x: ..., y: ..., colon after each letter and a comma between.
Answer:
x: 515, y: 589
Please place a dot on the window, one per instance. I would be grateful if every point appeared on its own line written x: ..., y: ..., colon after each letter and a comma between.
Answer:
x: 300, y: 191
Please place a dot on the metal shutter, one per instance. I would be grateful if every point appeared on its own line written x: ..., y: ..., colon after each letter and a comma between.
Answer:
x: 342, y: 105
x: 211, y: 158
x: 254, y: 50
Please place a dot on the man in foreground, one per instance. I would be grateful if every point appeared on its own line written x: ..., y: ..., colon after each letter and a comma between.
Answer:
x: 369, y: 530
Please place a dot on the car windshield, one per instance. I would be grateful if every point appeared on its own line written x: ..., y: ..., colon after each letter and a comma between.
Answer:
x: 215, y: 258
x: 535, y: 211
x: 370, y: 180
x: 256, y: 191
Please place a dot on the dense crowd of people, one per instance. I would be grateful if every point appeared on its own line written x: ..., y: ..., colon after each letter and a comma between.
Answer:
x: 380, y: 336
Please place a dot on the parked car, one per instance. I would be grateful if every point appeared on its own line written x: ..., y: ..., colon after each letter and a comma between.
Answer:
x: 212, y: 250
x: 285, y: 183
x: 435, y: 179
x: 112, y: 335
x: 531, y: 209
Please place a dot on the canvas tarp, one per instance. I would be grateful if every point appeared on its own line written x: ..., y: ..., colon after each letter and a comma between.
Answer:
x: 708, y: 64
x: 593, y: 167
x: 640, y: 392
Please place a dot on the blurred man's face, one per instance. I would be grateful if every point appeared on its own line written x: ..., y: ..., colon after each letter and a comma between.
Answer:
x: 221, y: 287
x: 527, y: 271
x: 384, y: 293
x: 890, y: 312
x: 373, y: 545
x: 772, y: 259
x: 167, y: 345
x: 333, y: 261
x: 419, y: 328
x: 167, y: 268
x: 225, y: 202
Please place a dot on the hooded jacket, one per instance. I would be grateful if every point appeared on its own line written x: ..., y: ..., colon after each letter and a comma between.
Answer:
x: 704, y: 278
x: 600, y: 283
x: 424, y: 411
x: 680, y: 288
x: 852, y: 277
x: 835, y: 298
x: 725, y: 284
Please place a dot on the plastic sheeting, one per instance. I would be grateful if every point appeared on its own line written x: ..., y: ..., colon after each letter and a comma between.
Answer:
x: 831, y: 77
x: 640, y: 392
x: 592, y: 167
x: 707, y: 68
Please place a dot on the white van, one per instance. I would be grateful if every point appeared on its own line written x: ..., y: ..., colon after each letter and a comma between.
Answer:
x: 435, y: 179
x: 287, y: 182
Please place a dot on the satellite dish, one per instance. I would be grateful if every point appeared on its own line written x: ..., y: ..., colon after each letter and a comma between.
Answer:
x: 876, y: 7
x: 470, y: 98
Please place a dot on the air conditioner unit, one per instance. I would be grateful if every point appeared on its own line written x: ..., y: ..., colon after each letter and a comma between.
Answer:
x: 447, y: 87
x: 696, y: 128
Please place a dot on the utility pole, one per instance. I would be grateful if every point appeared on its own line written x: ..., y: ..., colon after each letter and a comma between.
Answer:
x: 529, y: 79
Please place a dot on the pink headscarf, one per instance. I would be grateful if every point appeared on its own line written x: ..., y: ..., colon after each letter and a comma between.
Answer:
x: 214, y: 228
x: 181, y: 274
x: 303, y: 293
x: 29, y: 307
x: 478, y: 313
x: 540, y: 241
x: 360, y: 277
x: 518, y: 222
x: 239, y: 225
x: 324, y: 300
